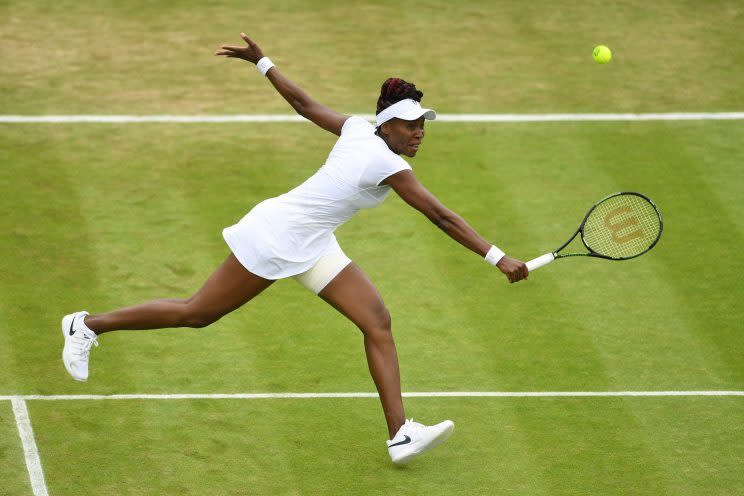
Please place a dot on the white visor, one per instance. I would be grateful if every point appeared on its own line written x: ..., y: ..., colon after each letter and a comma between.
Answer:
x: 408, y: 110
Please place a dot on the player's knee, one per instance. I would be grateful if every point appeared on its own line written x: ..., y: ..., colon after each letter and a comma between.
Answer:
x: 380, y: 325
x: 385, y: 321
x: 199, y: 321
x: 198, y: 318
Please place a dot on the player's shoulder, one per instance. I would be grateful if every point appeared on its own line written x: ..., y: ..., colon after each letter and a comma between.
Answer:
x: 357, y: 125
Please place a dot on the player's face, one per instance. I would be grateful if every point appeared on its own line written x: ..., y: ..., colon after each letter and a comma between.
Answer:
x: 404, y: 137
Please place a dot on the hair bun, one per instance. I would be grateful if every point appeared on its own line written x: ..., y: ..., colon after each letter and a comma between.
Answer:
x: 394, y: 90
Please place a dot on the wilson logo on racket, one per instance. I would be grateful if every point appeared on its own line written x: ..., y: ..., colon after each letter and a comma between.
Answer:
x: 619, y: 227
x: 615, y: 226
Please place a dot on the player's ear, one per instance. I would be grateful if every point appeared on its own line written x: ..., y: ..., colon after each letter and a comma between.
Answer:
x: 383, y: 129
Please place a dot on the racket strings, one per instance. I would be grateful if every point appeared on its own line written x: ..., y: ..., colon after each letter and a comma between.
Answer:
x: 622, y: 226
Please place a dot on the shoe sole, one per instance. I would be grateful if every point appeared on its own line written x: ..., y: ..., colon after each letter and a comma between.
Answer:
x: 66, y: 322
x: 442, y: 437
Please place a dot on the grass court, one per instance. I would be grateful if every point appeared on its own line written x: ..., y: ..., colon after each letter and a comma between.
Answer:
x: 98, y: 216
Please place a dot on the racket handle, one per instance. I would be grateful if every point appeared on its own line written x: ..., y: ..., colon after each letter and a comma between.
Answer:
x: 540, y: 261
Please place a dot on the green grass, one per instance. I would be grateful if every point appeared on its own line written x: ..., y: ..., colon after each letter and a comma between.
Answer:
x: 565, y: 446
x: 142, y: 219
x: 65, y: 56
x: 12, y: 465
x: 104, y: 216
x: 100, y: 216
x: 540, y: 446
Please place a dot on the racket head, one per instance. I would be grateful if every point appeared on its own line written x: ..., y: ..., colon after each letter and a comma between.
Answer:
x: 622, y: 226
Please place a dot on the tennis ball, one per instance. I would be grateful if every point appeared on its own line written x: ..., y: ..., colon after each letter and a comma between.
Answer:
x: 602, y: 54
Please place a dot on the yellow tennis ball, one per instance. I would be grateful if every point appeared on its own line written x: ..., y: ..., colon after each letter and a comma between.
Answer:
x: 602, y: 54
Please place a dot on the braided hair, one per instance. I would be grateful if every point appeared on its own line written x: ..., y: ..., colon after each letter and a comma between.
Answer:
x: 394, y: 90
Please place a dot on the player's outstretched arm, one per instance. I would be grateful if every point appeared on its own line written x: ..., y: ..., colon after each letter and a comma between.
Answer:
x: 323, y: 116
x: 416, y: 195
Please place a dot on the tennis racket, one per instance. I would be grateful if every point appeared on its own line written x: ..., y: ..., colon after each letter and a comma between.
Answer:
x: 619, y: 227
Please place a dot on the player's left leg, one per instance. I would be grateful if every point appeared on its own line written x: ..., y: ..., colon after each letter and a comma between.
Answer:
x: 353, y: 294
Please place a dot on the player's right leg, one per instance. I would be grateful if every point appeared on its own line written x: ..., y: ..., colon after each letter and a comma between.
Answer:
x: 231, y: 286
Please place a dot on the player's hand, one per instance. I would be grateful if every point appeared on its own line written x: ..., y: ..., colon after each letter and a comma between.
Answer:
x: 251, y: 53
x: 515, y: 270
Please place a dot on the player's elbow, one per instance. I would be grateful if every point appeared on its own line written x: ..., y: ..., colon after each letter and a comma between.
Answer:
x: 307, y: 108
x: 300, y: 108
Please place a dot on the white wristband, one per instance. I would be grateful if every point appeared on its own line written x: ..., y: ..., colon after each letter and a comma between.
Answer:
x: 264, y: 65
x: 494, y: 255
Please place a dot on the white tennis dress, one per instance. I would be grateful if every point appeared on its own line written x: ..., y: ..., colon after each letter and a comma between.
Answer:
x: 286, y: 235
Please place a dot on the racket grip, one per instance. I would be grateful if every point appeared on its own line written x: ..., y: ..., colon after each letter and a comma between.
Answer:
x: 540, y: 261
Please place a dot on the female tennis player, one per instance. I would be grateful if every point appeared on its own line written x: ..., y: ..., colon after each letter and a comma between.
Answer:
x: 292, y: 235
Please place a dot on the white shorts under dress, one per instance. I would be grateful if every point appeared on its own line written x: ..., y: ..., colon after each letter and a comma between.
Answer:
x: 288, y: 235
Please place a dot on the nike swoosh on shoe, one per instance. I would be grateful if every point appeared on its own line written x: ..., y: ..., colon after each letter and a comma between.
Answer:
x: 405, y: 441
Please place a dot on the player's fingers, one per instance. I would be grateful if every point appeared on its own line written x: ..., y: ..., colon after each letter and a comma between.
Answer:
x: 227, y: 54
x: 246, y: 39
x: 232, y: 48
x: 522, y: 270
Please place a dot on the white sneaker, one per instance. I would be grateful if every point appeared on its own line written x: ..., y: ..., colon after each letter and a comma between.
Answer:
x: 78, y: 340
x: 414, y: 439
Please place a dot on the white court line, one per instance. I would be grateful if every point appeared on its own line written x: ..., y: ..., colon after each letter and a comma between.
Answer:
x: 30, y: 451
x: 670, y: 116
x: 446, y: 394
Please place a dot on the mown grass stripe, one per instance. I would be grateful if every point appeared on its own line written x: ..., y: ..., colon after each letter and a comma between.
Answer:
x: 444, y: 394
x: 124, y: 119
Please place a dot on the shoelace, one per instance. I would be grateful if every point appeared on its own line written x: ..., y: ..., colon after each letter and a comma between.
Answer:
x: 84, y: 344
x: 413, y: 424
